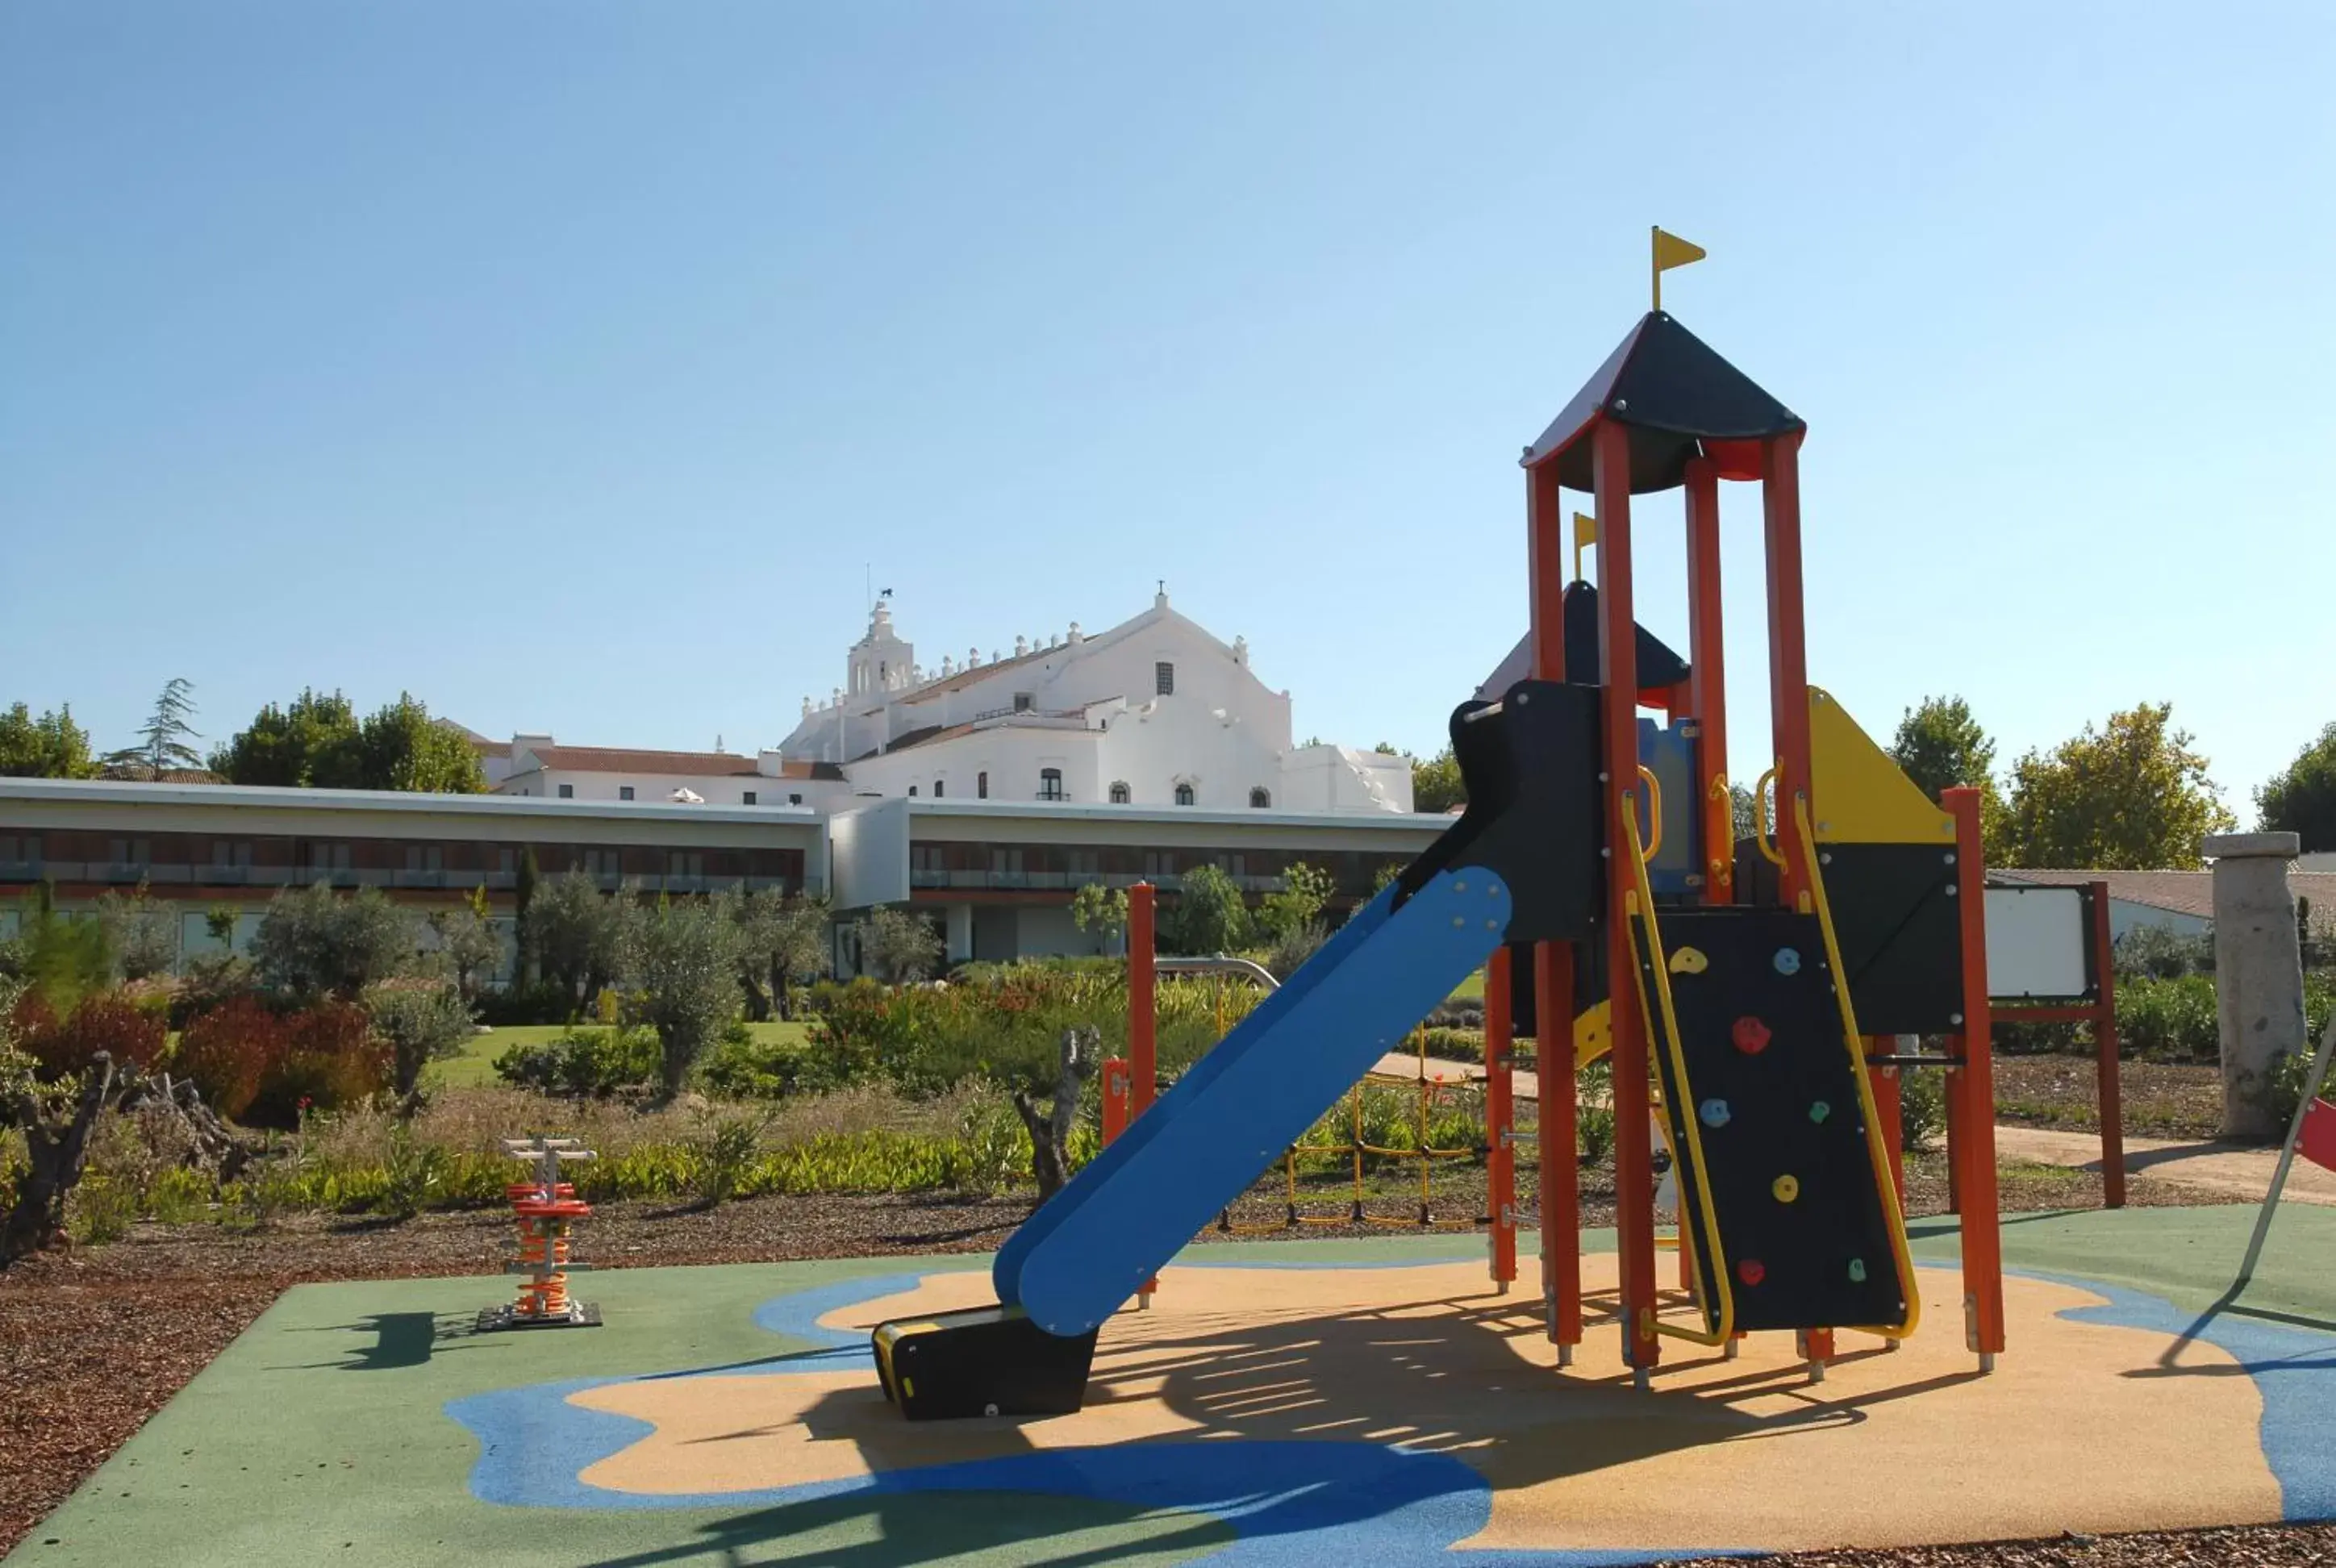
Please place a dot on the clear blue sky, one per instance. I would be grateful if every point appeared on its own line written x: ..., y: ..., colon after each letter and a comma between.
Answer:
x: 567, y: 362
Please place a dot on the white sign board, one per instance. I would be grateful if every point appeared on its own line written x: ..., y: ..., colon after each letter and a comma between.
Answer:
x: 2036, y: 939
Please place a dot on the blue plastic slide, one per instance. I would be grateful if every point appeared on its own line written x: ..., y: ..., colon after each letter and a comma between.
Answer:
x: 1082, y: 1255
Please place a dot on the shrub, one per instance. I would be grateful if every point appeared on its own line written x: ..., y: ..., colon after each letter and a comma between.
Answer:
x: 132, y: 1034
x: 721, y: 1156
x: 1594, y: 1123
x: 685, y: 959
x: 741, y: 1067
x: 313, y: 942
x: 330, y: 1059
x: 227, y: 1051
x: 2169, y: 1018
x: 1291, y: 947
x: 584, y: 1062
x: 411, y: 1176
x: 1921, y: 1107
x: 545, y: 1002
x: 1455, y: 1045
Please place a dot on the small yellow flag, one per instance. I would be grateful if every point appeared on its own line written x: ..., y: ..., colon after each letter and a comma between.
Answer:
x: 1669, y: 252
x: 1585, y: 534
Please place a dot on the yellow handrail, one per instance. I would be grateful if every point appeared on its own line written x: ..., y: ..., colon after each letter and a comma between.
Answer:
x: 1876, y: 1150
x: 1764, y: 837
x: 1642, y: 903
x: 1654, y: 811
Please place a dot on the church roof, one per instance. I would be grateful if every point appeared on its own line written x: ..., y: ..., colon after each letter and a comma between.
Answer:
x: 1678, y: 399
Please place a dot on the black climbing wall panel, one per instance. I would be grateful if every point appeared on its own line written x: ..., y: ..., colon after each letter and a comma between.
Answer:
x: 1773, y: 1093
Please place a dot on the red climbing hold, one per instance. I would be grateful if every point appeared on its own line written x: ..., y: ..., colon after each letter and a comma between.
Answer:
x: 1751, y: 1036
x: 1751, y: 1271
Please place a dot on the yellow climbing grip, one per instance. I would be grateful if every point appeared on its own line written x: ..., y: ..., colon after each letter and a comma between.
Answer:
x: 1785, y: 1188
x: 1689, y: 961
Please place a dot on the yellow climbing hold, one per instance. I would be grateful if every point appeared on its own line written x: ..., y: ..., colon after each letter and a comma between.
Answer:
x: 1689, y: 961
x: 1785, y: 1188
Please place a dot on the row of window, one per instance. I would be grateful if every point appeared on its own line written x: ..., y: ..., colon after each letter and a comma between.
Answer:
x: 625, y: 792
x: 28, y: 854
x: 1050, y: 788
x: 1353, y: 871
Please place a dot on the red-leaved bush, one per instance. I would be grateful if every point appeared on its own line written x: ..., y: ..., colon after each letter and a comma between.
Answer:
x: 227, y: 1051
x: 329, y: 1058
x: 108, y: 1021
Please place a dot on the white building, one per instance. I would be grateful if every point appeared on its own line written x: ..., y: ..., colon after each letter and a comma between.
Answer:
x: 1155, y: 712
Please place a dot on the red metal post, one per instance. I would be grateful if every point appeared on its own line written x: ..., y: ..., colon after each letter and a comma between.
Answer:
x: 1971, y: 1092
x: 2105, y: 1050
x: 1116, y: 1079
x: 1143, y: 1042
x: 1708, y: 681
x: 1558, y: 1163
x: 1142, y: 1023
x: 1618, y: 674
x: 1788, y: 658
x: 1499, y: 1121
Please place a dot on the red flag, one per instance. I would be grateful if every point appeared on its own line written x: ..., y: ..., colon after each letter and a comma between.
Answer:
x: 2318, y: 1142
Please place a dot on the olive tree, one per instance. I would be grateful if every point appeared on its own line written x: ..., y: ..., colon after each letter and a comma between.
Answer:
x: 576, y: 933
x: 313, y: 942
x: 683, y: 956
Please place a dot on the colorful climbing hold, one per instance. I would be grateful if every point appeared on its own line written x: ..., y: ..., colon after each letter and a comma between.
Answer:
x: 1689, y: 961
x: 1714, y: 1112
x: 1819, y: 1111
x: 1750, y: 1035
x: 1785, y: 1188
x: 1857, y: 1270
x: 1787, y: 961
x: 1751, y: 1271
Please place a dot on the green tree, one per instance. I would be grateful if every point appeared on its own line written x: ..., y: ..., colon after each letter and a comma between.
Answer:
x: 49, y: 747
x: 402, y: 747
x: 2129, y: 796
x: 683, y: 956
x: 311, y: 743
x: 897, y: 944
x: 468, y: 942
x: 1435, y: 784
x: 783, y: 940
x: 141, y: 935
x: 576, y: 934
x: 421, y: 1021
x: 1939, y: 745
x: 2301, y: 798
x: 1304, y: 894
x: 1101, y: 909
x: 1211, y: 916
x: 313, y: 942
x: 163, y: 737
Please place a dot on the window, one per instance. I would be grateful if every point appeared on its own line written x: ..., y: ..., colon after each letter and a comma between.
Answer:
x: 1083, y: 863
x: 624, y: 792
x: 748, y: 797
x: 1006, y: 861
x: 1261, y: 799
x: 1184, y: 795
x: 1159, y: 862
x: 941, y: 788
x: 1023, y: 702
x: 912, y: 789
x: 1050, y: 784
x: 507, y: 862
x: 794, y: 800
x: 1164, y: 678
x: 981, y: 786
x: 568, y: 792
x: 1120, y: 794
x: 1231, y: 864
x: 925, y: 858
x: 689, y: 863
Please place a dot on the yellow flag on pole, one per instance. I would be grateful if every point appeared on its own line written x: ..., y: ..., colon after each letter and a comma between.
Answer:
x: 1585, y: 534
x: 1669, y: 252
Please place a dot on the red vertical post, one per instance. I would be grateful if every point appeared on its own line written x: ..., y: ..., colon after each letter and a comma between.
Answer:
x: 1617, y: 674
x: 1888, y: 1111
x: 1500, y: 1120
x: 1143, y: 1040
x: 2105, y: 1052
x: 1142, y: 1023
x: 1708, y: 681
x: 1559, y: 1188
x: 1971, y: 1091
x: 1788, y: 658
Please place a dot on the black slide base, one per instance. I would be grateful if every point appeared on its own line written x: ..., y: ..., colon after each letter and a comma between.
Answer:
x: 989, y: 1361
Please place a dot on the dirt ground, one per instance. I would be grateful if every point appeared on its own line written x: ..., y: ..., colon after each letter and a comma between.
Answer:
x: 2159, y: 1099
x: 94, y: 1341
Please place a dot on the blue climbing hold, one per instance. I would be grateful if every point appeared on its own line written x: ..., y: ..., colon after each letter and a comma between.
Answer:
x: 1819, y: 1111
x: 1714, y: 1112
x: 1788, y: 960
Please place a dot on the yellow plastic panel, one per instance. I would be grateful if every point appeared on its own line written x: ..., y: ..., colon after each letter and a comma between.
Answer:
x: 1858, y: 795
x: 1591, y: 1036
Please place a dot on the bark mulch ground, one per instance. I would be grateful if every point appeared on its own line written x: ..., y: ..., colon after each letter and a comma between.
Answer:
x: 2160, y: 1099
x: 92, y: 1342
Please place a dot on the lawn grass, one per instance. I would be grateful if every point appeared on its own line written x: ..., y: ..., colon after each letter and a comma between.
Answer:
x: 1470, y: 990
x: 476, y: 1066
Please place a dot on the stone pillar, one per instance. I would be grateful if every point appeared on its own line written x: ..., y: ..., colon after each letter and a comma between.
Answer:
x: 2258, y: 974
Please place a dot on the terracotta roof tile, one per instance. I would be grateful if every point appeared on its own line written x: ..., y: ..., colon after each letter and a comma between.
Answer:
x: 2180, y: 892
x: 622, y: 759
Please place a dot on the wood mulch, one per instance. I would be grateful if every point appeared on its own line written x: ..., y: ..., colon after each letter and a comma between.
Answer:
x: 145, y: 1314
x: 2159, y: 1099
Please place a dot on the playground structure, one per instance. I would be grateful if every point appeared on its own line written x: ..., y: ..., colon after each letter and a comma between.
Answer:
x: 1749, y: 992
x: 544, y: 1209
